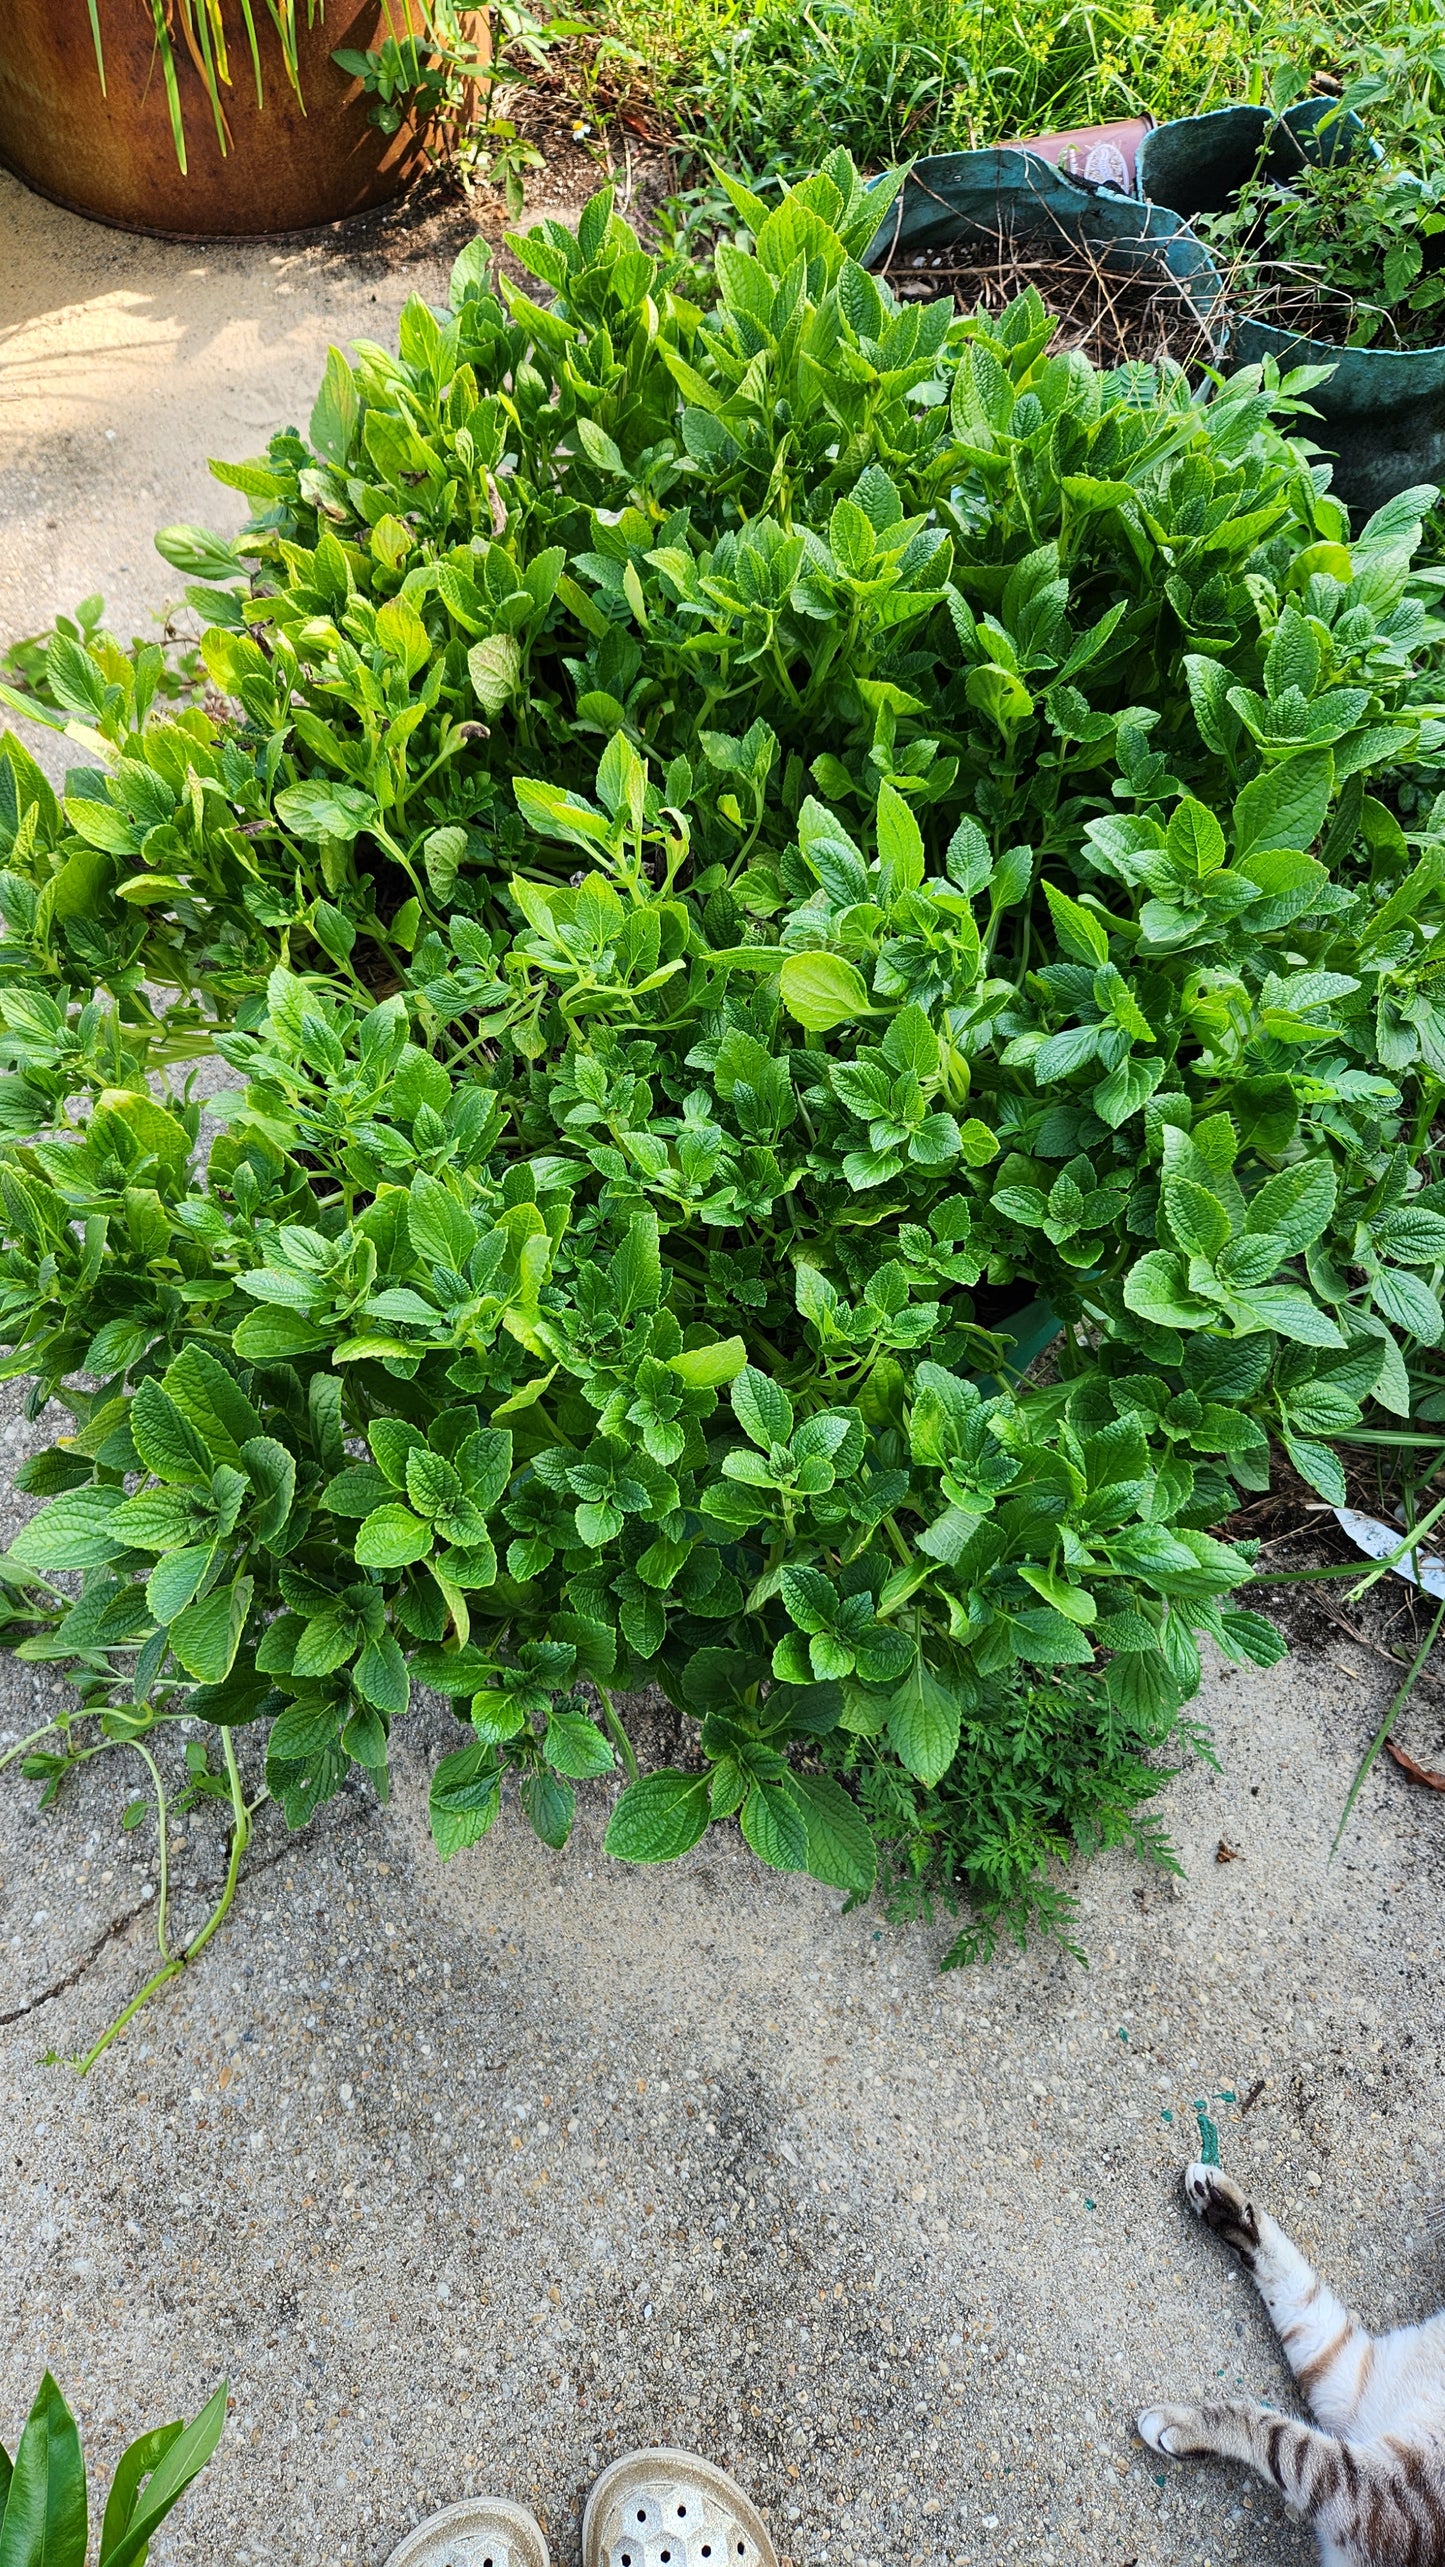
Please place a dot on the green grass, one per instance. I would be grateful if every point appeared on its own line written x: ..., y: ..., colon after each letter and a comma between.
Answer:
x: 773, y: 89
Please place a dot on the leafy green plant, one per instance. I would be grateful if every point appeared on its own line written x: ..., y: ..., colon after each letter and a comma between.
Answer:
x: 1350, y: 249
x: 450, y: 87
x: 405, y: 75
x: 742, y: 836
x: 768, y: 90
x: 25, y: 663
x: 198, y: 32
x: 44, y: 2520
x: 1047, y: 1766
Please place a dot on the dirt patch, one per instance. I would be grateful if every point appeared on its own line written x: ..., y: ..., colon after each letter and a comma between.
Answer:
x: 1373, y: 1638
x: 1112, y: 310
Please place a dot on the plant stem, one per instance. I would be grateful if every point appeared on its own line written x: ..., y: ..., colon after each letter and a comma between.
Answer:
x: 1297, y: 1577
x: 162, y: 1838
x: 609, y: 1714
x: 170, y: 1969
x: 1387, y: 1724
x: 23, y: 1745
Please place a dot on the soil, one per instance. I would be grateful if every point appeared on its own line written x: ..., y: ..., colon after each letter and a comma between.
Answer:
x: 1290, y: 296
x: 1322, y: 1615
x: 1114, y: 312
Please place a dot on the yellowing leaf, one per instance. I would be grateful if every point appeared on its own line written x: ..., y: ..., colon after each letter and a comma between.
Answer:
x: 822, y: 990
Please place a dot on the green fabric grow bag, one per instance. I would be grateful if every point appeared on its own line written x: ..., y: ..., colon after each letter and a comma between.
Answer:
x: 955, y: 195
x: 1383, y: 409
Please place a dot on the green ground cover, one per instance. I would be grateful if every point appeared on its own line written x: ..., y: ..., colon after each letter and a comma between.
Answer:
x: 776, y: 88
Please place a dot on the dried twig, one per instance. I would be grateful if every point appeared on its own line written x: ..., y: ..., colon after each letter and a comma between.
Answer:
x: 1363, y: 1642
x: 1114, y: 305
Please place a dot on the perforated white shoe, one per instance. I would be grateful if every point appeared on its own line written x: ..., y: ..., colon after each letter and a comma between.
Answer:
x: 482, y: 2531
x: 670, y: 2509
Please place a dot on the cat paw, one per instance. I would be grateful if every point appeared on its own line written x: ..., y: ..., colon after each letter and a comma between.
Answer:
x: 1163, y: 2429
x: 1223, y: 2207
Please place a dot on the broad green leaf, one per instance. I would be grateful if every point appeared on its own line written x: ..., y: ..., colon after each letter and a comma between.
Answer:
x: 1249, y: 1636
x: 135, y: 2464
x: 924, y: 1718
x: 185, y: 2455
x: 1287, y: 805
x: 550, y: 1805
x: 1316, y: 1463
x: 441, y: 1231
x: 1402, y: 1297
x: 206, y: 1636
x: 1295, y: 1206
x: 214, y: 1403
x: 391, y: 1538
x: 574, y: 1745
x: 1047, y: 1638
x: 708, y: 1367
x: 657, y: 1819
x: 1197, y: 1218
x: 269, y: 1336
x: 822, y: 990
x: 1079, y: 932
x: 453, y: 1671
x: 380, y: 1677
x: 1289, y: 1310
x: 775, y: 1826
x: 70, y: 1533
x: 316, y: 810
x: 495, y: 668
x: 841, y: 1850
x: 178, y: 1579
x: 1074, y: 1602
x: 337, y: 412
x: 762, y: 1409
x: 635, y: 1272
x: 1156, y: 1288
x: 466, y: 1792
x: 1126, y: 1090
x: 900, y: 845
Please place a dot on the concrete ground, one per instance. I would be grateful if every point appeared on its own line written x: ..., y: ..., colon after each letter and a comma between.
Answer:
x: 476, y: 2177
x: 126, y: 363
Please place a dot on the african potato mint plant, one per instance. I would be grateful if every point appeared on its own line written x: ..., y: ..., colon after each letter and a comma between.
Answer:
x: 734, y: 840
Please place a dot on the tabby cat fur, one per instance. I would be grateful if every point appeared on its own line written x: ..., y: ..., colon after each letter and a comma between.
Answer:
x: 1370, y: 2474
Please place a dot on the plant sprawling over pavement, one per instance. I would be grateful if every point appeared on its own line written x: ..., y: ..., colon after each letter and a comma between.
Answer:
x: 733, y: 841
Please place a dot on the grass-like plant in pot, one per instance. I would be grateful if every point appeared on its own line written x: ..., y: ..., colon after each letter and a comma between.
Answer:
x: 729, y: 822
x: 217, y: 116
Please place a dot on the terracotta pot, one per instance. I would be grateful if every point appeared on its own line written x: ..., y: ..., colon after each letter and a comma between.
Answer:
x: 113, y: 155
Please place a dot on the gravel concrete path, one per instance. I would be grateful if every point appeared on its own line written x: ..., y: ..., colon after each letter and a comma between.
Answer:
x: 475, y: 2177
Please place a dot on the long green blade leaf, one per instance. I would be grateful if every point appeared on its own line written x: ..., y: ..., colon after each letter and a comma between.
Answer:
x: 134, y: 2465
x: 99, y: 47
x: 45, y: 2517
x: 184, y: 2459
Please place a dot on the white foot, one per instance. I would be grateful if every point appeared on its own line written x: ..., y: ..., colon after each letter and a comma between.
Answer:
x: 1158, y: 2426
